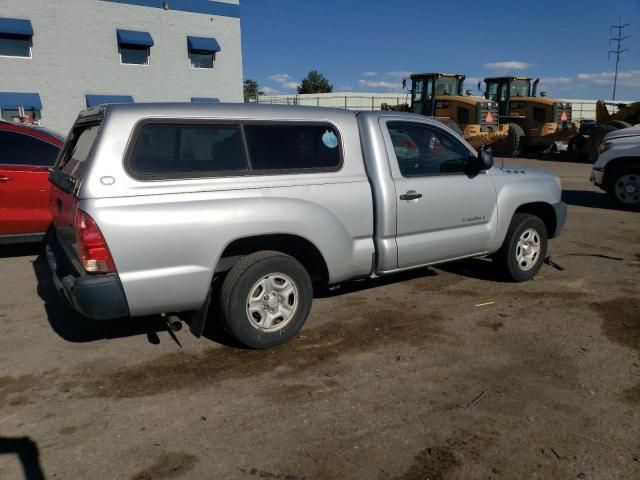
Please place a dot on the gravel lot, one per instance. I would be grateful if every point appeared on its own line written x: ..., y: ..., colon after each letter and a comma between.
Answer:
x: 407, y: 377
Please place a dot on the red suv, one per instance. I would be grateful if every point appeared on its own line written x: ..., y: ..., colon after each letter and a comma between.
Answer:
x: 26, y: 153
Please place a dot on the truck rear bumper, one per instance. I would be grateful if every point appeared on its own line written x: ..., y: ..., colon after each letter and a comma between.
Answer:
x: 99, y: 297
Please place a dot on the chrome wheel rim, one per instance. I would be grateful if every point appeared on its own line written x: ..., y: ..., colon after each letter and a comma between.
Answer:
x: 628, y: 189
x: 528, y: 249
x: 272, y: 302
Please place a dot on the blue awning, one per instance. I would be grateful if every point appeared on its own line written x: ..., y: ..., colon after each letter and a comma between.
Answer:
x: 15, y: 26
x: 93, y: 100
x: 203, y: 44
x: 130, y: 37
x: 205, y: 100
x: 13, y: 101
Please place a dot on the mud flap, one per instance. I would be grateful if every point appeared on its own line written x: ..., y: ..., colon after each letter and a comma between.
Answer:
x: 198, y: 319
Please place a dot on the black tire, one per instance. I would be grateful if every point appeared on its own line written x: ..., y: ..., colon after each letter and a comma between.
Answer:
x: 630, y: 201
x: 242, y: 281
x: 512, y: 145
x: 575, y: 149
x: 507, y: 257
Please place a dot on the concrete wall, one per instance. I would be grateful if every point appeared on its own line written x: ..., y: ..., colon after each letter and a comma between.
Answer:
x: 75, y: 52
x: 583, y: 109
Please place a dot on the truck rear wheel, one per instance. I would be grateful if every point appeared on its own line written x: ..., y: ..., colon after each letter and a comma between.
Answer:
x: 524, y: 248
x: 511, y: 146
x: 265, y: 299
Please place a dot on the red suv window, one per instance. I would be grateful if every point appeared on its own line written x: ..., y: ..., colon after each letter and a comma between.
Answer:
x: 20, y: 149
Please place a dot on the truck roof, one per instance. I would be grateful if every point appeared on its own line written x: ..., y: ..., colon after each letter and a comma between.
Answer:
x: 236, y: 111
x: 436, y: 74
x: 217, y: 110
x: 507, y: 77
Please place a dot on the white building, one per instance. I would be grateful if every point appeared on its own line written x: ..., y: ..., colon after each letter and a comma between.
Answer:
x: 58, y: 57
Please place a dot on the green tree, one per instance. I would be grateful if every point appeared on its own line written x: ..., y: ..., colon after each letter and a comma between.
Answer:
x: 251, y: 90
x: 315, y: 83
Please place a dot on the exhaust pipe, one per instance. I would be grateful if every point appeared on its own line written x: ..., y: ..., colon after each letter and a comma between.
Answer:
x: 535, y: 87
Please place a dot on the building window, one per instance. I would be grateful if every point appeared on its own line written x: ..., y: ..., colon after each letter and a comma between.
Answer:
x: 15, y: 37
x: 134, y: 55
x: 201, y: 59
x: 202, y: 51
x: 18, y: 107
x: 134, y: 47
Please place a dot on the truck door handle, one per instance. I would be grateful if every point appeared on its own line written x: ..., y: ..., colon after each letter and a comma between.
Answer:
x: 5, y: 179
x: 411, y: 195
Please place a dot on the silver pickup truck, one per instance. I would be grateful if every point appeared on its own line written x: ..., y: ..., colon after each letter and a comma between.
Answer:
x: 154, y: 203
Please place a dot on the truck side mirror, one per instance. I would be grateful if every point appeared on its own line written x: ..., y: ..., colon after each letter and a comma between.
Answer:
x: 479, y: 89
x: 486, y: 159
x: 404, y: 83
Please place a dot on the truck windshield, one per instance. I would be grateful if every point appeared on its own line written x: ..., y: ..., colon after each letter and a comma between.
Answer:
x: 520, y: 88
x: 447, y: 86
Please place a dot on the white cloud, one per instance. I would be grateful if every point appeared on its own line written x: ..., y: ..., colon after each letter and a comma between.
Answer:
x: 379, y: 84
x: 270, y: 91
x: 560, y: 81
x: 279, y: 77
x: 284, y: 79
x: 369, y: 74
x: 510, y: 65
x: 345, y: 88
x: 629, y: 78
x: 400, y: 74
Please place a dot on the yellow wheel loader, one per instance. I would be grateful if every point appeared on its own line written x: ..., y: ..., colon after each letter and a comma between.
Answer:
x: 440, y: 95
x: 534, y: 122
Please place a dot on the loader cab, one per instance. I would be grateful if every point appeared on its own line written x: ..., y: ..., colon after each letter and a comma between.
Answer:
x: 426, y: 86
x: 502, y: 89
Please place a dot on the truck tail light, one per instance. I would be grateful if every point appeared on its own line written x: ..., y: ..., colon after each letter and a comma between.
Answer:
x: 92, y: 247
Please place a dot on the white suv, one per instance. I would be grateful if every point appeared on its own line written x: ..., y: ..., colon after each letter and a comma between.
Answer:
x: 617, y: 170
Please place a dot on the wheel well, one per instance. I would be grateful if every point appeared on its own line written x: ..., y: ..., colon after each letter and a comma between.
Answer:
x: 617, y: 164
x: 299, y: 248
x: 544, y: 212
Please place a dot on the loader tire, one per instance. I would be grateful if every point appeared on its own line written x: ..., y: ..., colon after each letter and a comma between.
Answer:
x: 512, y: 145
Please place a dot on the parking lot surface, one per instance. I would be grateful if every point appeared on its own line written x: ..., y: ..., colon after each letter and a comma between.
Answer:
x: 439, y: 373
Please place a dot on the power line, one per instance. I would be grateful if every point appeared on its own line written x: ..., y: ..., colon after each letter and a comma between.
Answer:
x: 619, y: 38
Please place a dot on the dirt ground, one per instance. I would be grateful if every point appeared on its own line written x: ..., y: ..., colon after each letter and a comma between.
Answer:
x: 408, y: 377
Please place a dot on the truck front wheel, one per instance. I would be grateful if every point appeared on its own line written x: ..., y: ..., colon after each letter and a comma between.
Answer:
x: 265, y: 299
x: 524, y: 248
x: 624, y: 188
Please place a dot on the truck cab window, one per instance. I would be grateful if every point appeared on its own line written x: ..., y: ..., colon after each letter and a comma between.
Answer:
x: 425, y: 150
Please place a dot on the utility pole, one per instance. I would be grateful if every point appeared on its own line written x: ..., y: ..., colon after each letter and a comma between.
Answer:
x: 619, y: 38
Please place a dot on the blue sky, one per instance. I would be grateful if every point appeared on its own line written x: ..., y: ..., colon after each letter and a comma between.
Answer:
x: 368, y: 45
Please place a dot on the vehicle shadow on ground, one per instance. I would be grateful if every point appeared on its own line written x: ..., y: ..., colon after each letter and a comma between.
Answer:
x: 477, y: 268
x: 73, y: 327
x: 21, y: 250
x: 28, y: 454
x: 587, y: 198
